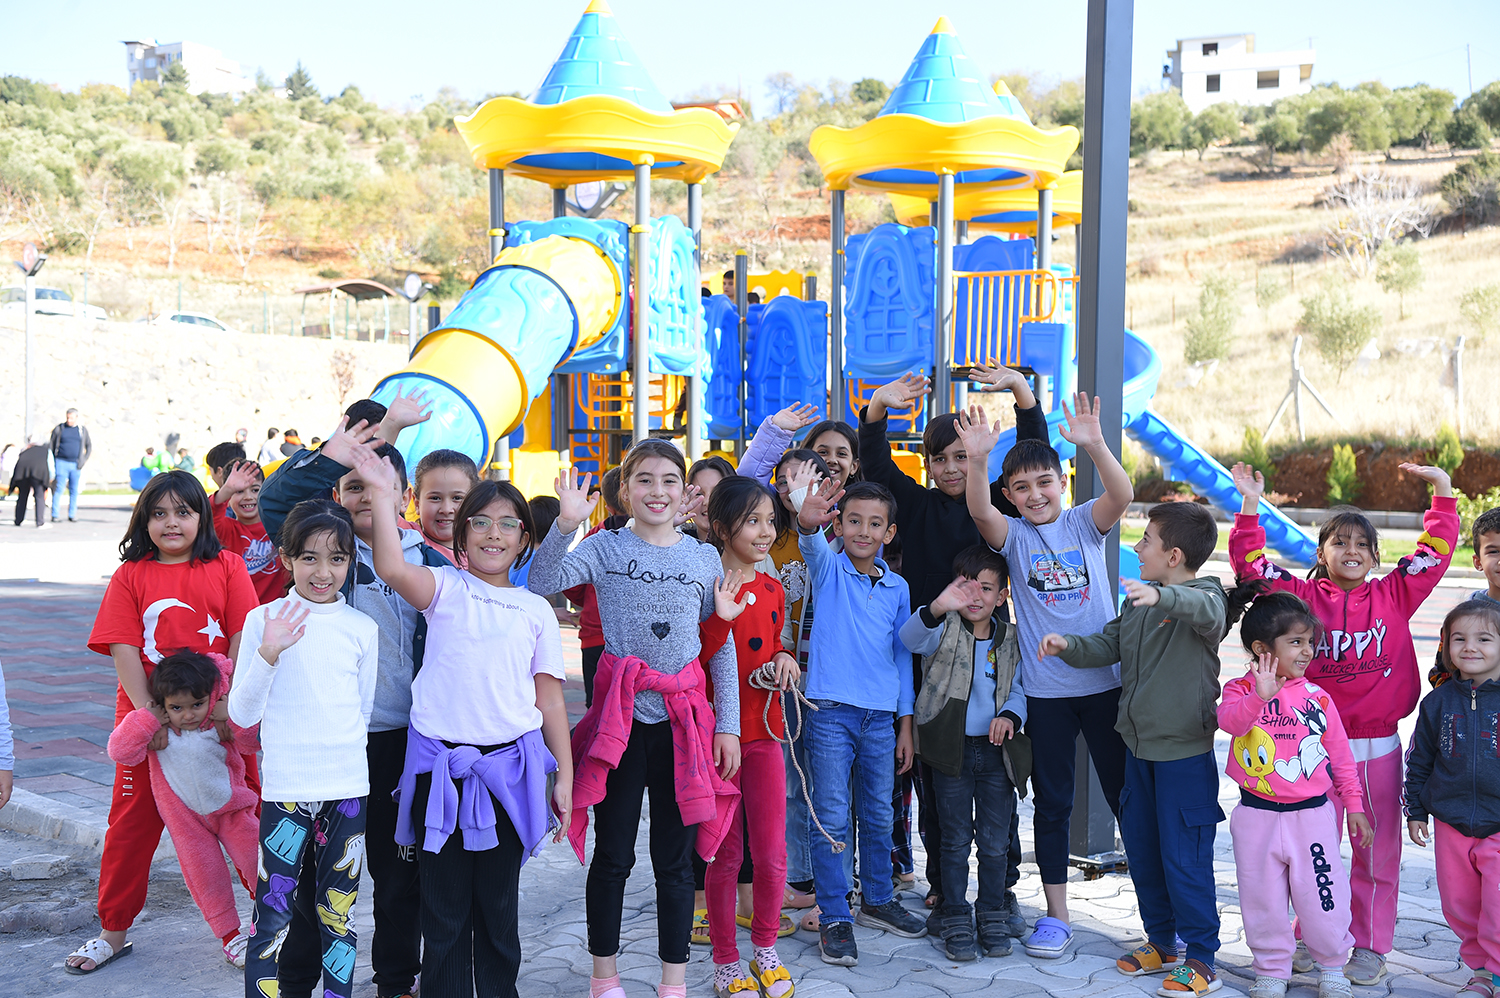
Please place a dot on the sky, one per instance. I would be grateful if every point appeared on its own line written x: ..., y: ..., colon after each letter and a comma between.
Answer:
x: 400, y: 54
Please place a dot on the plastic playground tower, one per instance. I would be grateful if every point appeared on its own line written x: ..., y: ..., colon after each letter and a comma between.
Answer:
x: 586, y: 331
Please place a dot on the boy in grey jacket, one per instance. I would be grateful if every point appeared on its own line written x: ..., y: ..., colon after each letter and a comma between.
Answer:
x: 968, y: 712
x: 1166, y: 640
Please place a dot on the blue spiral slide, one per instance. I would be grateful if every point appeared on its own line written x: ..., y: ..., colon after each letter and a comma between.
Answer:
x: 1181, y: 459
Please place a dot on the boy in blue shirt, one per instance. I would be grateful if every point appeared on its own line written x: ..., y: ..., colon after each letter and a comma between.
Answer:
x: 859, y: 677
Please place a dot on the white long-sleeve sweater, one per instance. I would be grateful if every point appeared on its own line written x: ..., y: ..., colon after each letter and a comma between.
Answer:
x: 313, y: 706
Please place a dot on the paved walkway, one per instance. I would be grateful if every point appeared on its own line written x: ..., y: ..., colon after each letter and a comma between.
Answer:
x: 61, y: 699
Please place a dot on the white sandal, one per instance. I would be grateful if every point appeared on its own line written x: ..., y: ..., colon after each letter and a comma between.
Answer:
x: 99, y: 951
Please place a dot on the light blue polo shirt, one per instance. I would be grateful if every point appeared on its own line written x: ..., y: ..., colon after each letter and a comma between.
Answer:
x: 856, y: 655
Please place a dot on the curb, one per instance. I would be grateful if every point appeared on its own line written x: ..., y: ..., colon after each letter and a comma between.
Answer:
x: 32, y: 814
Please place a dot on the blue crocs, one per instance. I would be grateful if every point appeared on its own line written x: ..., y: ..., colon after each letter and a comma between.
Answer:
x: 1049, y: 940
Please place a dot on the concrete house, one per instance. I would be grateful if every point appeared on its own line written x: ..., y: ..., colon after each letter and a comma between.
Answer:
x: 1218, y: 68
x: 208, y: 71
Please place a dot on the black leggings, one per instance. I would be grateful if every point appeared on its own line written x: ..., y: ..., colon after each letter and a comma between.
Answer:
x: 646, y: 764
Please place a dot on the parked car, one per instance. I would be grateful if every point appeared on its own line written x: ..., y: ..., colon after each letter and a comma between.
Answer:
x: 188, y: 319
x: 48, y: 301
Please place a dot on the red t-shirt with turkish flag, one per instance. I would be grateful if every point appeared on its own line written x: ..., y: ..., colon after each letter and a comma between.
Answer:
x: 250, y: 542
x: 160, y: 609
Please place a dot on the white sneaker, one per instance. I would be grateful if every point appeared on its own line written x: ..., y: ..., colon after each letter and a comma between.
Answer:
x: 1333, y: 984
x: 1268, y: 987
x: 234, y: 950
x: 1365, y: 967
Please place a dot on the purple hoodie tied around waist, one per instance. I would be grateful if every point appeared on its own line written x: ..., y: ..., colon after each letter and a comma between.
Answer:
x: 515, y: 774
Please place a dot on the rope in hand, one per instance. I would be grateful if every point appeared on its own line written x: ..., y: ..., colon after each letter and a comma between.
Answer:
x: 764, y: 678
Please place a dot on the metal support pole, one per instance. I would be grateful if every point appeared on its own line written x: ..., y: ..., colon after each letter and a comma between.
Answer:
x: 1044, y: 228
x: 810, y: 287
x: 640, y: 326
x: 836, y: 307
x: 559, y: 202
x: 742, y: 306
x: 1101, y: 305
x: 413, y: 320
x: 502, y: 461
x: 696, y: 444
x: 497, y: 214
x: 942, y: 353
x: 28, y: 418
x: 963, y: 232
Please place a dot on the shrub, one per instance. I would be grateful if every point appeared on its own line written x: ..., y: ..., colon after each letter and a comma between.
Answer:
x: 1398, y: 271
x: 1339, y: 328
x: 1268, y: 292
x: 1473, y: 188
x: 1470, y: 508
x: 1468, y: 130
x: 1480, y: 308
x: 1449, y: 450
x: 1210, y: 332
x: 1343, y: 479
x: 1254, y: 454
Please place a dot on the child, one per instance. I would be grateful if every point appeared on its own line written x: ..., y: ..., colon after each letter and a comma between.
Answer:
x: 860, y: 679
x: 1484, y: 537
x: 704, y: 475
x: 396, y: 946
x: 1369, y: 665
x: 220, y: 461
x: 198, y: 784
x: 741, y: 516
x: 176, y: 589
x: 1066, y: 589
x: 934, y: 525
x: 1166, y: 641
x: 242, y: 532
x: 1289, y: 750
x: 493, y: 710
x: 654, y: 588
x: 971, y: 703
x: 306, y: 674
x: 1453, y: 774
x: 442, y: 479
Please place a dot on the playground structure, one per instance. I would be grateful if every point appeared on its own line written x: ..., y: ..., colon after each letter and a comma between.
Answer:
x: 585, y: 332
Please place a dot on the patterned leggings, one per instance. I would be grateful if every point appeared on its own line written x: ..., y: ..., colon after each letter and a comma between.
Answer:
x: 335, y: 832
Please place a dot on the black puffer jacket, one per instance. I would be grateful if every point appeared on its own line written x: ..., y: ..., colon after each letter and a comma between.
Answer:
x: 1453, y: 767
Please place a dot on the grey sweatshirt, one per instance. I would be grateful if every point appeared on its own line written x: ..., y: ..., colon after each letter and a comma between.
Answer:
x: 651, y: 601
x: 398, y: 620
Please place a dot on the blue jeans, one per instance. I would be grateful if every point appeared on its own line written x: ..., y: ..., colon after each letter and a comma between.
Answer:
x: 67, y: 475
x: 800, y: 830
x: 839, y: 737
x: 1169, y: 812
x: 976, y: 806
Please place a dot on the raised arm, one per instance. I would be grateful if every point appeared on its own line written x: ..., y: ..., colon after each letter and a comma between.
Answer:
x: 875, y: 448
x: 816, y: 513
x: 414, y: 583
x: 1417, y: 574
x: 1084, y: 432
x: 553, y: 567
x: 404, y: 411
x: 979, y: 438
x: 773, y: 438
x: 310, y: 474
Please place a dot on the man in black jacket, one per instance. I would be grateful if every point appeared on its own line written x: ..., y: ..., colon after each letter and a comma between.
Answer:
x: 933, y: 525
x: 31, y: 478
x: 71, y: 448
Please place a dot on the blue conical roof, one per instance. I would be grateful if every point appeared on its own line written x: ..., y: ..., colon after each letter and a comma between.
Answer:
x: 943, y: 84
x: 598, y: 60
x: 1010, y: 106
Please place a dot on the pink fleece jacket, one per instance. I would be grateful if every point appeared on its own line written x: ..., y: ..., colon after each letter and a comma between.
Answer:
x: 1283, y: 747
x: 602, y: 734
x: 1365, y: 657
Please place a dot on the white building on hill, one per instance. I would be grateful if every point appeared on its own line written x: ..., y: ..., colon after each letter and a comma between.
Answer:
x: 208, y: 71
x: 1227, y: 68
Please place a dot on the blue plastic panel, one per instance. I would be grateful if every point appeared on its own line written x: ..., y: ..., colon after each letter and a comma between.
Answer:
x: 987, y: 310
x: 788, y: 357
x: 722, y: 345
x: 676, y: 302
x: 888, y: 316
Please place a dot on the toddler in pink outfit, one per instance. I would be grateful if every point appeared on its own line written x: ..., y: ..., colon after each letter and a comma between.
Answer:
x: 1287, y: 737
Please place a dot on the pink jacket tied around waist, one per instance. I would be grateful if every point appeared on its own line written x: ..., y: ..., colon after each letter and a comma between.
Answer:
x: 600, y: 738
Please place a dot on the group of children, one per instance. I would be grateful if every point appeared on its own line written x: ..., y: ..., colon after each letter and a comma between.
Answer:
x: 359, y: 653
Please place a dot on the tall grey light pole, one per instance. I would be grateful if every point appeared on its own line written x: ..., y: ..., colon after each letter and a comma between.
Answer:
x: 1101, y: 319
x: 31, y: 261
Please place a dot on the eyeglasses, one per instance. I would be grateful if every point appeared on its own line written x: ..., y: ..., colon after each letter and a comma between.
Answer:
x: 782, y: 486
x: 507, y: 524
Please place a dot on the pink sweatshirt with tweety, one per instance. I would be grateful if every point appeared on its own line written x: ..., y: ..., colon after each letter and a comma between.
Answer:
x: 1289, y: 748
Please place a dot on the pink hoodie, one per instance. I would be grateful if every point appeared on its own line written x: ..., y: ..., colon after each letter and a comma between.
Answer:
x: 1365, y: 656
x: 1283, y: 747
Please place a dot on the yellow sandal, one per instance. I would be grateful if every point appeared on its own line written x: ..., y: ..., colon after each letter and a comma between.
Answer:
x: 699, y: 935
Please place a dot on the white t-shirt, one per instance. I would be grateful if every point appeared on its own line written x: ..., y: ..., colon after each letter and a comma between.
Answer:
x: 484, y: 645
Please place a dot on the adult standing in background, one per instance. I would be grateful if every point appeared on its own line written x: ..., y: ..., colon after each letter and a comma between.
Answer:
x: 71, y: 448
x: 269, y: 451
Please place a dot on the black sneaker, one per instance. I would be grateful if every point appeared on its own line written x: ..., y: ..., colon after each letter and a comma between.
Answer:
x: 1015, y: 922
x: 836, y: 944
x: 957, y: 932
x: 891, y: 917
x: 994, y: 933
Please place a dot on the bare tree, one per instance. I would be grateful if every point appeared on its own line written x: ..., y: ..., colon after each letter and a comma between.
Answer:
x: 169, y: 204
x: 1370, y: 209
x: 247, y: 225
x: 344, y: 367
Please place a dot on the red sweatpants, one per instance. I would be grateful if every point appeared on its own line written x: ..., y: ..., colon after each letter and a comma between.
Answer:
x: 134, y: 832
x: 1468, y: 877
x: 761, y: 817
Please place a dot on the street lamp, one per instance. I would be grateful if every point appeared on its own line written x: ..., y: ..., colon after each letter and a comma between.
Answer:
x: 412, y: 289
x: 31, y: 261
